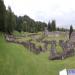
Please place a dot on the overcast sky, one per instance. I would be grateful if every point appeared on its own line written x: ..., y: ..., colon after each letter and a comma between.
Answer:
x: 63, y: 11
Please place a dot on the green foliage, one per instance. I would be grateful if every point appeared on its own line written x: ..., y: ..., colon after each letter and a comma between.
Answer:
x: 11, y: 21
x: 62, y: 29
x: 19, y: 24
x: 7, y: 19
x: 59, y: 49
x: 53, y: 25
x: 40, y: 26
x: 2, y: 16
x: 26, y: 24
x: 49, y: 26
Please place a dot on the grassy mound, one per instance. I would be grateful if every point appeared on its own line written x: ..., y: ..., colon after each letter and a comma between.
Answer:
x: 17, y: 60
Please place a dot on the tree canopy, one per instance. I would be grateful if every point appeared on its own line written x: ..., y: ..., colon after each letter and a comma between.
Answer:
x: 2, y: 16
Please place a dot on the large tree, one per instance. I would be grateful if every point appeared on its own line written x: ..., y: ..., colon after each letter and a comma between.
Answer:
x: 11, y: 21
x: 49, y: 26
x: 19, y: 24
x: 71, y: 30
x: 2, y: 16
x: 53, y: 25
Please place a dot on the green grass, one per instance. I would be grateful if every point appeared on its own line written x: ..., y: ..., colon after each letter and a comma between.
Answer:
x: 57, y: 38
x: 17, y: 60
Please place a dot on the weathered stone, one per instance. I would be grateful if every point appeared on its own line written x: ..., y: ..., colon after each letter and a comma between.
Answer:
x: 68, y: 50
x: 53, y: 53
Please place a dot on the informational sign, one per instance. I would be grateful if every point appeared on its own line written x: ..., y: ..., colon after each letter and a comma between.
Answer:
x: 71, y: 72
x: 63, y: 72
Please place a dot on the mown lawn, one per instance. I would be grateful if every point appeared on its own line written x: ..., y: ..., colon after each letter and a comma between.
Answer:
x: 17, y: 60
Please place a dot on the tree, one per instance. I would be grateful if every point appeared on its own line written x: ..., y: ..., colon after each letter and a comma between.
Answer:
x: 2, y: 16
x: 40, y: 26
x: 71, y: 30
x: 49, y: 26
x: 53, y: 24
x: 58, y: 29
x: 11, y: 21
x: 26, y: 24
x: 19, y: 22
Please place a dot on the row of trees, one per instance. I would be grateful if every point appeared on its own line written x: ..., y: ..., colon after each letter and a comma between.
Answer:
x: 10, y: 22
x: 7, y: 19
x: 26, y: 24
x: 52, y: 26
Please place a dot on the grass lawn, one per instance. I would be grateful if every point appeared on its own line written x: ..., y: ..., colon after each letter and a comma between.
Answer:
x: 17, y: 60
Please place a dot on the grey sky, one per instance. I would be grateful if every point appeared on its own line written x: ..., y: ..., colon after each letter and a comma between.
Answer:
x: 63, y: 11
